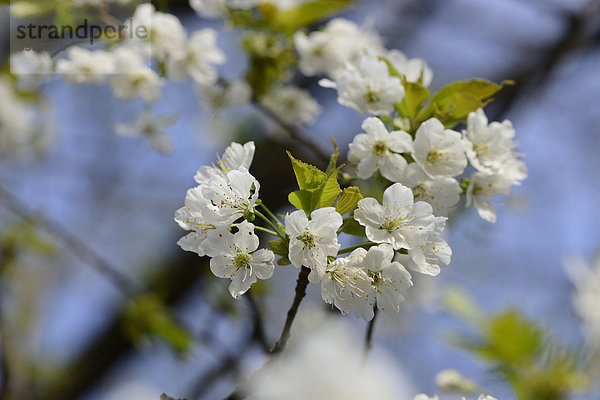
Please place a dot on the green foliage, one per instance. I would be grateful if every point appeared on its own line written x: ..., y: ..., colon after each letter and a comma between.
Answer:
x: 146, y: 317
x: 453, y: 103
x: 348, y: 199
x: 306, y: 14
x: 317, y: 188
x: 23, y: 237
x: 415, y: 95
x: 31, y: 8
x: 352, y: 227
x: 537, y: 366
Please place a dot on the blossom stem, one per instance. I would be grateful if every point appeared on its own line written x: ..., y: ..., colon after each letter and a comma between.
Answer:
x: 369, y: 336
x: 301, y: 285
x: 265, y: 230
x: 357, y: 246
x: 270, y: 213
x: 268, y: 221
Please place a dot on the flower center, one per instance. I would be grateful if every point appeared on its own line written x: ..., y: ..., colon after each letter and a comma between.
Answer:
x: 371, y: 96
x: 308, y: 239
x: 242, y: 260
x: 379, y: 148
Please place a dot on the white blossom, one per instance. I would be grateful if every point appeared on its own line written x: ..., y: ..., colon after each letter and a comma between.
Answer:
x: 292, y: 105
x: 339, y: 43
x: 482, y: 188
x: 488, y: 145
x: 378, y: 149
x: 398, y: 220
x: 413, y: 69
x: 367, y: 87
x: 191, y: 218
x: 165, y: 33
x: 313, y: 240
x: 439, y: 151
x: 30, y: 66
x: 452, y: 380
x: 133, y: 78
x: 85, y: 66
x: 236, y: 157
x: 347, y: 286
x: 235, y: 256
x: 586, y: 297
x: 209, y: 8
x: 425, y: 397
x: 389, y: 279
x: 433, y: 254
x: 197, y: 58
x: 442, y: 192
x: 231, y: 197
x: 151, y: 127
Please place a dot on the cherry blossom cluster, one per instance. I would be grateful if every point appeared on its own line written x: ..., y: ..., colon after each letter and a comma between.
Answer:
x: 137, y: 68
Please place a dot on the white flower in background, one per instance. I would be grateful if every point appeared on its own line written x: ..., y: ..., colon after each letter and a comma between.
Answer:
x: 292, y: 105
x: 389, y: 279
x: 235, y: 94
x: 231, y: 197
x: 85, y: 66
x: 425, y: 397
x: 378, y: 149
x: 482, y: 187
x: 165, y: 33
x: 367, y: 87
x: 486, y: 397
x: 586, y: 297
x: 323, y: 362
x: 442, y: 192
x: 312, y: 241
x: 347, y: 286
x: 190, y: 217
x: 450, y: 380
x: 514, y: 170
x: 24, y: 128
x: 432, y: 255
x: 439, y: 151
x: 197, y: 59
x: 236, y: 157
x: 398, y: 221
x: 133, y: 78
x: 488, y: 146
x: 210, y: 9
x: 30, y: 66
x: 413, y: 69
x: 151, y: 127
x: 339, y: 43
x: 235, y: 257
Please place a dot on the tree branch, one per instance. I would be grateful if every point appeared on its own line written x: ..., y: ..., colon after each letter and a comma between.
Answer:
x: 369, y: 336
x: 301, y: 285
x: 258, y: 332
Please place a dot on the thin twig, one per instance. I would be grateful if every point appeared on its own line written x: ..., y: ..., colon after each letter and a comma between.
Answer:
x: 301, y: 285
x: 125, y: 284
x: 369, y: 336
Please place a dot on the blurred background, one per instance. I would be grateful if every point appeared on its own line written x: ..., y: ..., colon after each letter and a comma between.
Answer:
x: 97, y: 202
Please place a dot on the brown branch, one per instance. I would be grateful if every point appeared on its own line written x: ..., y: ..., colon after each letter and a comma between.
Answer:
x: 369, y: 336
x: 301, y: 285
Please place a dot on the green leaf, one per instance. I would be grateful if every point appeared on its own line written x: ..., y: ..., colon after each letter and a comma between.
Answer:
x: 279, y: 247
x: 31, y: 9
x: 454, y: 102
x: 146, y: 316
x: 308, y: 13
x: 330, y: 190
x: 308, y: 176
x: 352, y: 227
x: 415, y: 96
x: 283, y: 261
x: 348, y: 199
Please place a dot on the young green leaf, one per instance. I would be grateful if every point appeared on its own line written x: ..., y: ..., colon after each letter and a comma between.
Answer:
x: 308, y: 176
x: 415, y: 96
x: 348, y: 199
x: 279, y: 247
x: 330, y: 190
x: 307, y: 13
